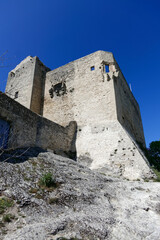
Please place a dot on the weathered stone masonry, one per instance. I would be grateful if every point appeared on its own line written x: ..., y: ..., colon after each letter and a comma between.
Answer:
x: 27, y: 129
x: 92, y: 92
x: 26, y: 84
x: 92, y: 96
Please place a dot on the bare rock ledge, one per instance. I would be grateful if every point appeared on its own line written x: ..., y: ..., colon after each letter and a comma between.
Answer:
x: 84, y: 204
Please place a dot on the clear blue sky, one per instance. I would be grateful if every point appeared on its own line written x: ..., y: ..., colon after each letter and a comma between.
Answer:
x: 59, y: 31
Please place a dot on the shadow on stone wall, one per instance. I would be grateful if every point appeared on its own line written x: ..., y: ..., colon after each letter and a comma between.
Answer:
x: 72, y: 132
x: 20, y: 155
x: 28, y: 129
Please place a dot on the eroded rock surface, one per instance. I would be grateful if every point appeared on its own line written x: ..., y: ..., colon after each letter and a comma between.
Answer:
x: 84, y: 204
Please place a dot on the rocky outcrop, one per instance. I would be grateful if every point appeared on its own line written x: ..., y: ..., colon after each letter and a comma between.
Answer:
x: 82, y: 204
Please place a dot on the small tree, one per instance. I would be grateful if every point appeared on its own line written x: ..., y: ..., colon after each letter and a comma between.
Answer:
x: 154, y: 154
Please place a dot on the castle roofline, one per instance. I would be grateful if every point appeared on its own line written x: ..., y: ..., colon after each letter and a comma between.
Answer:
x: 24, y: 61
x: 30, y: 58
x: 93, y: 53
x: 81, y: 58
x: 27, y: 59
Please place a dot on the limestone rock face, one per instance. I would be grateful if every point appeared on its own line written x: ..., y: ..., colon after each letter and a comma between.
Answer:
x: 84, y: 204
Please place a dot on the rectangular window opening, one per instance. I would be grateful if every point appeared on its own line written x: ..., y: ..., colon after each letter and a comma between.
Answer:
x: 106, y: 68
x: 16, y: 95
x: 92, y: 68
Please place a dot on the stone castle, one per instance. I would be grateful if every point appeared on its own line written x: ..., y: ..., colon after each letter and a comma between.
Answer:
x: 84, y: 108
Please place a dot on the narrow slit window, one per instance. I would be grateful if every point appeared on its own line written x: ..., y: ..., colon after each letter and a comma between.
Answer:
x: 16, y: 95
x: 107, y: 68
x: 92, y: 68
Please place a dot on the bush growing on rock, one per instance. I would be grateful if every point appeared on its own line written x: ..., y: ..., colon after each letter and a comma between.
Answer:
x: 47, y: 180
x: 4, y: 204
x: 8, y: 218
x: 154, y: 154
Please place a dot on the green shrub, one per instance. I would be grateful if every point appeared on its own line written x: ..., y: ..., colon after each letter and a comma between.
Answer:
x: 8, y: 218
x: 4, y: 204
x: 47, y: 180
x: 157, y: 174
x: 152, y: 154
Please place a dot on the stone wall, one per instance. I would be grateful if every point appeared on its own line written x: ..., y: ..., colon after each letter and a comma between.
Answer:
x: 80, y: 91
x: 88, y: 97
x: 109, y: 149
x: 92, y: 92
x: 28, y: 129
x: 88, y: 94
x: 58, y: 99
x: 128, y: 112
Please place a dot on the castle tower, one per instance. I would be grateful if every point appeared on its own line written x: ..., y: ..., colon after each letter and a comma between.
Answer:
x: 26, y: 83
x: 93, y: 92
